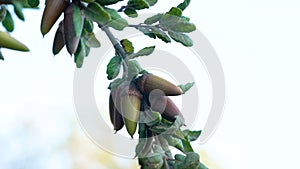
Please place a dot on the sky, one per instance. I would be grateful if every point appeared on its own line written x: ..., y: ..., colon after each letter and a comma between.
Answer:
x: 257, y: 43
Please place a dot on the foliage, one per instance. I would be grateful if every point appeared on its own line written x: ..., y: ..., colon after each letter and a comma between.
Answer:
x: 158, y: 131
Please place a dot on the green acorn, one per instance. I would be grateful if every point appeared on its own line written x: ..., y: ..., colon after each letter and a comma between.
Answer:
x: 150, y: 82
x: 53, y: 10
x: 7, y: 41
x: 73, y: 24
x: 130, y: 108
x: 59, y: 40
x: 166, y: 107
x: 115, y: 117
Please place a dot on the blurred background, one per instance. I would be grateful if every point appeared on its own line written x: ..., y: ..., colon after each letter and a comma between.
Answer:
x: 258, y: 44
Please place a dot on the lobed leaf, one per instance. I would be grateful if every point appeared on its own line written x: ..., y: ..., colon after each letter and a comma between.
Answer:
x: 183, y: 27
x: 153, y: 19
x: 186, y: 87
x: 116, y: 22
x: 181, y: 38
x: 96, y: 13
x: 127, y: 45
x: 143, y: 52
x: 131, y: 12
x: 113, y: 67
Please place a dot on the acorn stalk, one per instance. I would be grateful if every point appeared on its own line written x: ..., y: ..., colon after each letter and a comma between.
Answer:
x: 53, y: 10
x: 166, y: 107
x: 130, y: 107
x: 73, y: 24
x: 150, y: 82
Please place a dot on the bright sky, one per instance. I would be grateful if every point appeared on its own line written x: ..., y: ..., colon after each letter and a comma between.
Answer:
x: 258, y: 44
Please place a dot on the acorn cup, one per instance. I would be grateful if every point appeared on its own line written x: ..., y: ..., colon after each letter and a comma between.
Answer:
x: 7, y: 41
x: 130, y: 108
x: 53, y: 10
x: 166, y: 107
x: 115, y: 117
x: 73, y: 24
x: 59, y: 40
x: 149, y: 82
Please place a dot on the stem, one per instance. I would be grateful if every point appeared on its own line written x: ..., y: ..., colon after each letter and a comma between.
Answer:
x: 144, y: 26
x: 164, y: 158
x: 119, y: 49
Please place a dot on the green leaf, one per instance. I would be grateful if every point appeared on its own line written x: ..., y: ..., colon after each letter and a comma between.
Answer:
x: 8, y: 22
x: 127, y: 45
x: 192, y: 135
x: 114, y: 84
x: 18, y: 9
x: 1, y: 56
x: 179, y: 157
x: 88, y: 25
x: 151, y: 2
x: 186, y: 87
x: 92, y: 41
x: 161, y: 34
x: 108, y: 2
x: 147, y: 32
x: 170, y: 18
x: 33, y: 3
x: 80, y: 54
x: 183, y: 27
x: 77, y: 21
x: 134, y: 68
x: 152, y: 118
x: 117, y: 22
x: 113, y: 67
x: 96, y: 13
x: 131, y: 12
x: 187, y: 146
x: 181, y: 38
x: 153, y: 19
x: 138, y: 4
x: 143, y: 52
x: 184, y: 4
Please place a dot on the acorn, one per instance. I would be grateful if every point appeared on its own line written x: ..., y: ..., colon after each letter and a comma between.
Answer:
x: 53, y: 10
x: 130, y: 108
x: 115, y: 117
x: 7, y: 41
x: 150, y: 82
x: 73, y: 24
x: 59, y: 40
x: 166, y: 107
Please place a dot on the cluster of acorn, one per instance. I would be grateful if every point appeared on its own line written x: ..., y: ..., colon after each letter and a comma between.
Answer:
x: 70, y: 28
x: 130, y: 98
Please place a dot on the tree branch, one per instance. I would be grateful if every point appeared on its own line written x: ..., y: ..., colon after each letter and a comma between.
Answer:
x: 118, y: 48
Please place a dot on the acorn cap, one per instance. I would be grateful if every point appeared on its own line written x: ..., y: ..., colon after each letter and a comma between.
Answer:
x: 53, y: 10
x: 166, y: 107
x: 130, y: 108
x: 150, y: 82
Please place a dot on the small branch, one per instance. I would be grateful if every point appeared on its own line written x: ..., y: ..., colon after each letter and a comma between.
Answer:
x: 145, y: 26
x: 119, y: 49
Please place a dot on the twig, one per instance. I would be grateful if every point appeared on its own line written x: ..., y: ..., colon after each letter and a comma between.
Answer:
x: 119, y: 49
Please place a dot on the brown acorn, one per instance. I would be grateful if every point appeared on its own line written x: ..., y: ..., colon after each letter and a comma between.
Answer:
x: 150, y: 82
x: 73, y: 24
x: 130, y: 108
x: 166, y: 107
x: 115, y: 117
x: 53, y: 10
x: 59, y: 40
